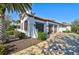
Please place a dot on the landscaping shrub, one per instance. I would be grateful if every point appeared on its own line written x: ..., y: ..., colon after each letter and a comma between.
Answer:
x: 42, y: 36
x: 75, y: 29
x: 11, y: 32
x: 2, y: 49
x: 8, y: 35
x: 10, y: 28
x: 67, y: 31
x: 19, y: 35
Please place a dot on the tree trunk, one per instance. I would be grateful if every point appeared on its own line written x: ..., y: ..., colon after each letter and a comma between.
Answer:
x: 2, y: 29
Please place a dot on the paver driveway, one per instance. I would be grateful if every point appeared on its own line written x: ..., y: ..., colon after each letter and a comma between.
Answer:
x: 18, y: 45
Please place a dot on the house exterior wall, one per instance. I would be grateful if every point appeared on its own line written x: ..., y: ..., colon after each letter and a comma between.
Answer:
x: 61, y: 29
x: 68, y: 28
x: 33, y: 32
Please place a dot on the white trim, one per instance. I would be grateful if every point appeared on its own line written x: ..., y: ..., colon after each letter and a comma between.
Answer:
x: 32, y: 31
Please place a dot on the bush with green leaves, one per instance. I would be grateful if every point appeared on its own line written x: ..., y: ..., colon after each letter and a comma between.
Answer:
x: 2, y: 49
x: 11, y: 27
x: 67, y: 31
x: 11, y: 32
x: 42, y: 36
x: 19, y: 35
x: 75, y: 28
x: 6, y: 37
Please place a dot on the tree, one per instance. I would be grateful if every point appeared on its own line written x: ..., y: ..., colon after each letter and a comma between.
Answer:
x: 10, y: 7
x: 7, y: 21
x: 75, y: 26
x: 75, y: 22
x: 75, y: 29
x: 65, y: 23
x: 18, y: 21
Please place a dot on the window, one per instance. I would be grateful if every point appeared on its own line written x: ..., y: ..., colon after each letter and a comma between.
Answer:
x: 39, y: 27
x: 25, y: 25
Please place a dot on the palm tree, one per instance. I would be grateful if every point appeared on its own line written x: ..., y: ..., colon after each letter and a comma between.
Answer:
x: 10, y: 7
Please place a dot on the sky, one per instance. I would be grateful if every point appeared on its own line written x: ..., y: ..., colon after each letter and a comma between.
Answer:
x: 60, y: 12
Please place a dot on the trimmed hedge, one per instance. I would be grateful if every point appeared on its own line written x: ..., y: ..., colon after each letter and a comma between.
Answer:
x: 42, y: 36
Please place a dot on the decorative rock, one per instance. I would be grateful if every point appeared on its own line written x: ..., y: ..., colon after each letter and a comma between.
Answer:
x: 58, y: 44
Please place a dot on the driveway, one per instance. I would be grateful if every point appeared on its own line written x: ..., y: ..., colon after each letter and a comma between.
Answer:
x: 17, y: 45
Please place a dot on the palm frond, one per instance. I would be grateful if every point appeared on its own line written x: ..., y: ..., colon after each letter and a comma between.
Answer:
x: 18, y: 7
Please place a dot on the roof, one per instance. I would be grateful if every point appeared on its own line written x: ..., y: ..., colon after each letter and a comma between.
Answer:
x: 42, y: 19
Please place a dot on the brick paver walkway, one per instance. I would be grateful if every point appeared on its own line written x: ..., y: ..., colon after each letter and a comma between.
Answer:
x: 21, y: 44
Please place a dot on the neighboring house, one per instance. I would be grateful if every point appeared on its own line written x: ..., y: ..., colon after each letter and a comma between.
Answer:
x: 31, y: 25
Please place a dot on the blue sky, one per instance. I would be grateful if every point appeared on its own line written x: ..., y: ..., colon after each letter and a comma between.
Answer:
x: 60, y: 12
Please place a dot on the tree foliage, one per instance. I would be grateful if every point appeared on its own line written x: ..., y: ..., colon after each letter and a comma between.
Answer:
x: 11, y: 7
x: 18, y: 21
x: 75, y: 26
x: 75, y: 22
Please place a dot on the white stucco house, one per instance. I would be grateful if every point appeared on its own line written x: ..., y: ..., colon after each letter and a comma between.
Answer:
x: 31, y: 25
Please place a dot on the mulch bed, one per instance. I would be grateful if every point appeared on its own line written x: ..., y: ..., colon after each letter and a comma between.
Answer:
x: 17, y: 45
